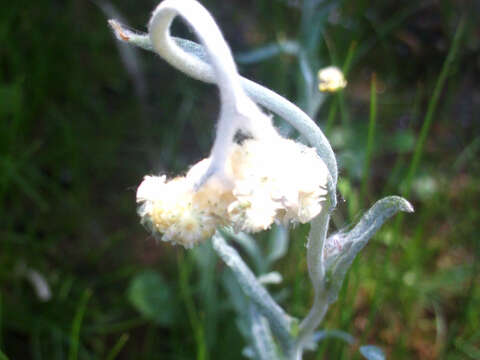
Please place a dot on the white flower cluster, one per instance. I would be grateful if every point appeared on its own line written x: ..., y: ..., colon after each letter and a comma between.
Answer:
x: 246, y: 186
x: 331, y: 79
x: 264, y: 181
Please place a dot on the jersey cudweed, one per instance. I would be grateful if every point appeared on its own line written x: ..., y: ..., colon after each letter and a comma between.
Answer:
x: 251, y: 184
x: 247, y: 186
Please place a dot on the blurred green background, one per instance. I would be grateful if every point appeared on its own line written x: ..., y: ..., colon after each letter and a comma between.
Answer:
x: 82, y: 120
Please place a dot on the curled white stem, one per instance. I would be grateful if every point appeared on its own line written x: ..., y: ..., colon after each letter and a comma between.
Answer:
x: 237, y: 111
x: 196, y: 65
x: 208, y: 33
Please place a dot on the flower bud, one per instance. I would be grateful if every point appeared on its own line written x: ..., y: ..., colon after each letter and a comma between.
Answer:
x: 331, y: 79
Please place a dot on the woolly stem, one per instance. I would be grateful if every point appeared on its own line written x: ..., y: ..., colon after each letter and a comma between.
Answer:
x: 316, y: 271
x: 237, y: 109
x: 197, y: 66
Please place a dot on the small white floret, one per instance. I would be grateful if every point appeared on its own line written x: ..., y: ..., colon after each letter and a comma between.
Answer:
x: 331, y: 79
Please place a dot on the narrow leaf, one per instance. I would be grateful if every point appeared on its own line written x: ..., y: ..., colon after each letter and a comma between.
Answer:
x: 342, y: 248
x: 261, y: 336
x: 77, y: 324
x: 336, y: 334
x: 279, y: 320
x: 266, y: 52
x: 371, y: 352
x: 118, y: 347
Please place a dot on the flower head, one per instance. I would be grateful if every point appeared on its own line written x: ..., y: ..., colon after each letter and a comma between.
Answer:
x: 169, y: 211
x: 331, y: 79
x: 278, y: 180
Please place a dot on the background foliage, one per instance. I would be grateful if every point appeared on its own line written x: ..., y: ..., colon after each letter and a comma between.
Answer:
x: 81, y: 121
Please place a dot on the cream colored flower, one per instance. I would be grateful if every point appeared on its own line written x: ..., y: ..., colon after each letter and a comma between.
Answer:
x: 286, y: 179
x: 331, y: 79
x: 253, y: 209
x: 264, y: 181
x: 169, y: 211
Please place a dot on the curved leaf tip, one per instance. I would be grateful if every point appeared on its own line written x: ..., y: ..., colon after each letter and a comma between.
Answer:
x: 400, y: 203
x: 342, y: 248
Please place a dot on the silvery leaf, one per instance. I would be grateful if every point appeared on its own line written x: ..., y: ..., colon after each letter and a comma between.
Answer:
x: 273, y: 277
x: 266, y: 52
x: 338, y: 334
x: 250, y: 246
x: 279, y: 320
x: 261, y: 335
x: 342, y: 248
x: 371, y: 352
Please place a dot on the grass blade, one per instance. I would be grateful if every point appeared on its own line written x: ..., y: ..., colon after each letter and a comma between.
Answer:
x: 77, y: 324
x: 186, y: 293
x: 427, y: 123
x: 3, y: 356
x: 334, y: 106
x: 370, y: 137
x: 1, y: 320
x: 432, y: 106
x: 118, y: 347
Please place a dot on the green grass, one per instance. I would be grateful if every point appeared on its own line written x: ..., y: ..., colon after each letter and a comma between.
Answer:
x: 370, y: 138
x: 118, y: 347
x: 75, y: 141
x: 76, y: 325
